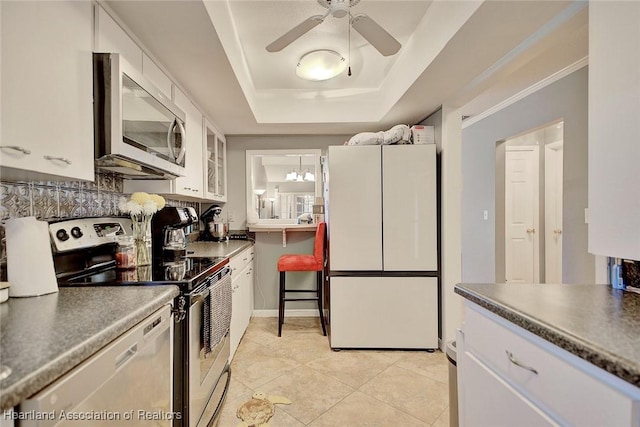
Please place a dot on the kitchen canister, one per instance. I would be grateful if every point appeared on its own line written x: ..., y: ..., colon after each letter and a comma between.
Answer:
x: 29, y: 258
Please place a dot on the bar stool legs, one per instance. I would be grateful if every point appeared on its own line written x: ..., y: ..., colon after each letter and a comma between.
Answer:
x: 283, y: 299
x: 281, y: 303
x: 319, y: 293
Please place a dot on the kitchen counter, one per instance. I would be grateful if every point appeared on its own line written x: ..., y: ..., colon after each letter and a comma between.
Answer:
x: 226, y: 249
x: 594, y: 322
x: 42, y: 338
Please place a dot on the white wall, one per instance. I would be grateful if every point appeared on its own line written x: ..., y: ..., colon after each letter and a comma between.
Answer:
x: 565, y: 99
x: 447, y: 124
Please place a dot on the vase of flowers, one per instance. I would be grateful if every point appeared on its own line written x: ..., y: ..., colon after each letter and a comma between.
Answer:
x: 141, y: 207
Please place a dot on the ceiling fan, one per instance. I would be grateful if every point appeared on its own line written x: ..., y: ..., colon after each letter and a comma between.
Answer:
x: 367, y: 27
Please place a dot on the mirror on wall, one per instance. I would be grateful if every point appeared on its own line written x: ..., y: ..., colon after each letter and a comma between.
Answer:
x: 282, y: 184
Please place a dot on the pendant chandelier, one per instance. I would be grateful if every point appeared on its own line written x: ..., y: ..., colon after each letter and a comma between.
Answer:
x: 299, y: 175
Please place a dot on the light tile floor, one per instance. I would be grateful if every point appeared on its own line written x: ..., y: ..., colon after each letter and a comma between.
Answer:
x: 327, y: 388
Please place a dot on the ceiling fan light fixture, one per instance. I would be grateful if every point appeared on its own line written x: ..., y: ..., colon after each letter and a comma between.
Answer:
x: 322, y: 64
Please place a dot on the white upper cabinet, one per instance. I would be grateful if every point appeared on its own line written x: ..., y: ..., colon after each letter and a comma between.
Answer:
x: 191, y: 184
x: 111, y: 38
x: 215, y: 163
x: 47, y: 90
x: 614, y: 129
x: 151, y: 71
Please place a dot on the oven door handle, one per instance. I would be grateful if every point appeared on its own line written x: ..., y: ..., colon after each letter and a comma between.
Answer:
x: 200, y: 296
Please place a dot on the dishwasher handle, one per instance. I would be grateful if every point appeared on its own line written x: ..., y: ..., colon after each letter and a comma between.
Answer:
x: 126, y: 355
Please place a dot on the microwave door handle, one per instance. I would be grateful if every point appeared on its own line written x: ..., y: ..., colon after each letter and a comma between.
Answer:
x: 172, y: 150
x: 183, y: 148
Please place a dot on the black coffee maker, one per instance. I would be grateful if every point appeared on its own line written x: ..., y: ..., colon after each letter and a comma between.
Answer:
x: 168, y: 236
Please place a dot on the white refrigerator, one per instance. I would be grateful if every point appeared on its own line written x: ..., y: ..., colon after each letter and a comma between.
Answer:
x: 383, y: 246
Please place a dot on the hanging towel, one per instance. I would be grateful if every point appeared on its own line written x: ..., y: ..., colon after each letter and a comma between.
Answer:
x: 216, y: 314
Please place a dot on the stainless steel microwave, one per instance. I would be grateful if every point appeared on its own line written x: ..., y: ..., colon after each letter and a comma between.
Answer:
x: 139, y: 133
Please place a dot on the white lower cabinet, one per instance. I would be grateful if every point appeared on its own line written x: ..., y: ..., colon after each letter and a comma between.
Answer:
x: 508, y: 376
x: 504, y: 407
x: 242, y: 273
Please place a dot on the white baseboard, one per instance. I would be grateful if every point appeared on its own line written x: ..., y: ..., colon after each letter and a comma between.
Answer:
x: 307, y: 312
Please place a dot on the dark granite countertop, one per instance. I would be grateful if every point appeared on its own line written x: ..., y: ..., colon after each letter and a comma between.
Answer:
x: 594, y: 322
x: 42, y: 338
x: 226, y: 249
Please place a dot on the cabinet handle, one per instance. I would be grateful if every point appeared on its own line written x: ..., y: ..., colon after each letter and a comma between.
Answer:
x: 531, y: 230
x: 62, y: 159
x: 557, y: 231
x: 15, y: 147
x: 515, y: 361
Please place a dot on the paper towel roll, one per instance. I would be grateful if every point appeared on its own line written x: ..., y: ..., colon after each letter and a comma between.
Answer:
x: 29, y: 259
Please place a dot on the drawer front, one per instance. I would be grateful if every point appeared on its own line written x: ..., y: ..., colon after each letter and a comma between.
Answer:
x: 239, y: 262
x: 563, y: 385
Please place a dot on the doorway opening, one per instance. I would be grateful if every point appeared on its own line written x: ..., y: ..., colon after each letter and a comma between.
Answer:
x: 529, y: 189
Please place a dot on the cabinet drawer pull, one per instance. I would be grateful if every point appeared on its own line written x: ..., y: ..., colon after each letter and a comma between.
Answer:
x: 515, y: 361
x: 15, y: 147
x: 62, y: 159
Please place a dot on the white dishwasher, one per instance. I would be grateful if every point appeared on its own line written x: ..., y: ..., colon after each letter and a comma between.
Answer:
x: 129, y: 382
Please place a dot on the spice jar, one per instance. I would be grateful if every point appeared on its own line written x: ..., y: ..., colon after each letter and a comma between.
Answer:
x: 125, y: 253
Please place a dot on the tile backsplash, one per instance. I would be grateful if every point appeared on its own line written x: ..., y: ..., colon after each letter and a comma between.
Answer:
x: 50, y: 200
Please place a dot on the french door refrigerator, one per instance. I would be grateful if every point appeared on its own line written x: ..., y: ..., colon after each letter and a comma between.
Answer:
x: 383, y: 249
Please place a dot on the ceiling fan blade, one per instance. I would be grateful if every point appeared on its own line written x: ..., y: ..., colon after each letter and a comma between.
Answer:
x: 375, y: 34
x: 293, y: 34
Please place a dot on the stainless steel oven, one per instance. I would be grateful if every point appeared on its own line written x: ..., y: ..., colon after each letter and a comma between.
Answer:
x: 208, y: 356
x: 139, y: 132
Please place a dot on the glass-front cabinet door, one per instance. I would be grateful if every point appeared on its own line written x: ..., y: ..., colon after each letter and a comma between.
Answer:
x: 221, y: 164
x: 215, y: 163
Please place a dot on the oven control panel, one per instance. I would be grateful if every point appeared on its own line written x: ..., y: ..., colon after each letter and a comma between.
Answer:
x: 80, y: 233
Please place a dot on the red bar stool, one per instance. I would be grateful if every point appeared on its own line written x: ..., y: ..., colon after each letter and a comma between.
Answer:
x: 303, y: 262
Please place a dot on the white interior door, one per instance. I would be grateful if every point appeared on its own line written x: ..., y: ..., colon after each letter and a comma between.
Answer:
x: 522, y: 263
x: 553, y: 212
